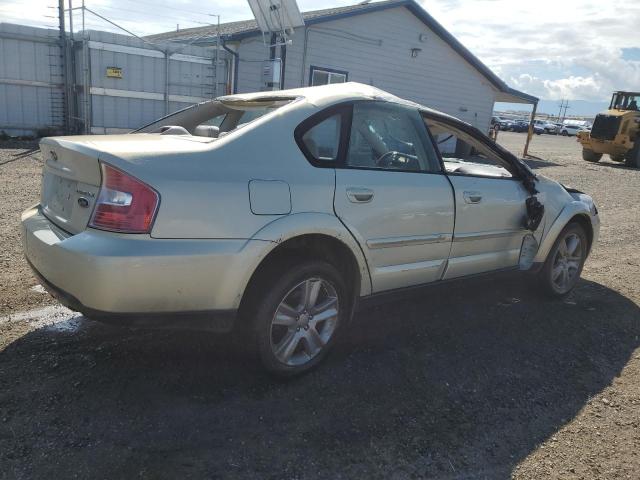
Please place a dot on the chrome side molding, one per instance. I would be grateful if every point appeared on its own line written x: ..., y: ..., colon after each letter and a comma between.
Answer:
x: 376, y: 243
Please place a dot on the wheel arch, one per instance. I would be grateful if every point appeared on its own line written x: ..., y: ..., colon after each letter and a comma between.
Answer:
x: 310, y: 236
x: 584, y: 221
x: 574, y: 212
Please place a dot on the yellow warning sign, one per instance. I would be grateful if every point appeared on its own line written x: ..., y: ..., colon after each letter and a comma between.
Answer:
x: 114, y: 72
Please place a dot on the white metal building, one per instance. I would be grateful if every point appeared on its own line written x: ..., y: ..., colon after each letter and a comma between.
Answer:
x: 112, y: 83
x: 395, y: 45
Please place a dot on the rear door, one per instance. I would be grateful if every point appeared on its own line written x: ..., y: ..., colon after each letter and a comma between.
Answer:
x: 392, y: 195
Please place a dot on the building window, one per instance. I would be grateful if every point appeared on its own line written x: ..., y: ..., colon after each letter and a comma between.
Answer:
x: 325, y: 76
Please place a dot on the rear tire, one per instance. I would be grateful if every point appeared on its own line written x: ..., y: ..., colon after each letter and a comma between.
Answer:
x: 563, y: 266
x: 617, y: 158
x: 565, y: 133
x: 590, y: 156
x: 632, y: 158
x: 299, y: 311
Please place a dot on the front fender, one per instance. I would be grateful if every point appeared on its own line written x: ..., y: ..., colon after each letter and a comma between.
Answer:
x: 574, y: 208
x: 309, y: 223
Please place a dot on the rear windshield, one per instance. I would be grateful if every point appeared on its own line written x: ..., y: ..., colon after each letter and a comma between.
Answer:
x: 215, y: 118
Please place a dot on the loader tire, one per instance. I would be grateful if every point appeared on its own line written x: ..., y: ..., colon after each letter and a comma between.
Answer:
x: 632, y: 158
x: 590, y: 156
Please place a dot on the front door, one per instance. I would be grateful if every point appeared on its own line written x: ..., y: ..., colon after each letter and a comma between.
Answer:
x: 489, y: 225
x: 490, y: 203
x: 392, y: 195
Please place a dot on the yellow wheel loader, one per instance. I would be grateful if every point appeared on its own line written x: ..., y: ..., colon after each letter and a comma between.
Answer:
x: 615, y: 132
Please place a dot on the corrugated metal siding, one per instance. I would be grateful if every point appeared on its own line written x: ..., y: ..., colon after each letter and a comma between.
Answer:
x: 143, y: 74
x: 375, y: 48
x: 27, y: 79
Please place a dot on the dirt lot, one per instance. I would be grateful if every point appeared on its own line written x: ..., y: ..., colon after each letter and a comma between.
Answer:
x: 477, y: 380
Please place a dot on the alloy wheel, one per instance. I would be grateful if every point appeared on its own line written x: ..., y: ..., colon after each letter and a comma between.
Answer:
x: 567, y: 263
x: 304, y: 321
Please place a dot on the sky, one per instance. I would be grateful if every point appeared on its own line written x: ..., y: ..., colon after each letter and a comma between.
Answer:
x: 553, y: 49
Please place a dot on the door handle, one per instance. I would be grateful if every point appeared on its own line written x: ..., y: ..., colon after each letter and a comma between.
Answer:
x: 359, y: 195
x: 472, y: 197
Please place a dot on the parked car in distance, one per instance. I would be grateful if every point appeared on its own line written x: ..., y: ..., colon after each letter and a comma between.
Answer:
x: 520, y: 126
x: 506, y: 124
x: 572, y: 130
x: 279, y: 213
x: 547, y: 127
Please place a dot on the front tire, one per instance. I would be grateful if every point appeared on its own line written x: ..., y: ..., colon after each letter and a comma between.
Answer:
x: 590, y: 156
x: 563, y: 266
x: 298, y: 316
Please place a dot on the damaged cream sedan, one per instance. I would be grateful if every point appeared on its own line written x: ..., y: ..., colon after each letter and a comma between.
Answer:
x: 278, y: 213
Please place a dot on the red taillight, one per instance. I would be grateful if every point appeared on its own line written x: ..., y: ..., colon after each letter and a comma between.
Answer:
x: 124, y: 204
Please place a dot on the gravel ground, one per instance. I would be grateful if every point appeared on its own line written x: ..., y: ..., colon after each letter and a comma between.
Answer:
x: 474, y: 380
x: 20, y: 176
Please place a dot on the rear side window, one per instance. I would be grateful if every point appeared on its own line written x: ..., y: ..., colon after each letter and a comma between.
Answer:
x: 389, y: 137
x: 323, y: 140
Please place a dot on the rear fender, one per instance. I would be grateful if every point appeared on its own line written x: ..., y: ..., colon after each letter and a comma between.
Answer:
x: 308, y: 223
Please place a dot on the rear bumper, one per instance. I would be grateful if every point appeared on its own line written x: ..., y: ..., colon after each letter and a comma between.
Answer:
x: 213, y: 320
x: 139, y: 280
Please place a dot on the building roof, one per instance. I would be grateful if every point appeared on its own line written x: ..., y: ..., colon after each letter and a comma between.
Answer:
x: 245, y: 28
x: 234, y: 31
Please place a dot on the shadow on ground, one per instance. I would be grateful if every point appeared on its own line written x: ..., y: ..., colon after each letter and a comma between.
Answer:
x: 464, y: 381
x: 604, y: 164
x: 537, y: 162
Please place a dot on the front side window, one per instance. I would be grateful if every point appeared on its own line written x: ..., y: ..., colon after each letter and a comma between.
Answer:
x: 320, y: 76
x: 463, y: 154
x: 390, y: 137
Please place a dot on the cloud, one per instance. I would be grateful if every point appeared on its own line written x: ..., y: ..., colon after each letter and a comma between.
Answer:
x: 570, y: 49
x: 570, y: 88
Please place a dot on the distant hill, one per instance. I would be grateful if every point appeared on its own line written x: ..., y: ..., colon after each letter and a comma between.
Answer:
x: 576, y: 107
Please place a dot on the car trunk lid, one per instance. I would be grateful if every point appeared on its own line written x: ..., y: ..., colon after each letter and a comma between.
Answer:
x: 72, y: 177
x: 70, y: 184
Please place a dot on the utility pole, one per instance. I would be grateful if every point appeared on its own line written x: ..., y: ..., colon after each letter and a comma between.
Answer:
x: 566, y: 106
x: 561, y: 107
x: 73, y: 77
x: 71, y: 19
x: 64, y: 66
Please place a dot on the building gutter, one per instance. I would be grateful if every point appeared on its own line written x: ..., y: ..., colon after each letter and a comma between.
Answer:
x: 236, y: 61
